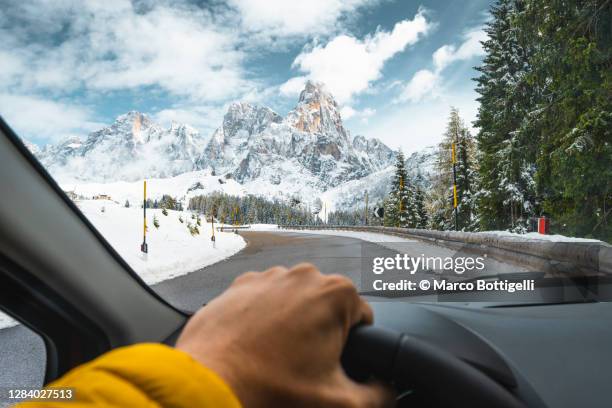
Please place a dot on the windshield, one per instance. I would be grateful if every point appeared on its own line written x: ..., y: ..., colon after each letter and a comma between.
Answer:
x: 395, y: 143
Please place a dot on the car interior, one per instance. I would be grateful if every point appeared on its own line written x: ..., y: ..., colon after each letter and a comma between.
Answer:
x: 61, y: 278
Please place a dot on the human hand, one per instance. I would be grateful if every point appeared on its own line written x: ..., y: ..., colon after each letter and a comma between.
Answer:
x: 276, y: 338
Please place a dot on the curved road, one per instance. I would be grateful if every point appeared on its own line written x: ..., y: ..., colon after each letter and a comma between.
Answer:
x: 22, y: 356
x: 331, y: 254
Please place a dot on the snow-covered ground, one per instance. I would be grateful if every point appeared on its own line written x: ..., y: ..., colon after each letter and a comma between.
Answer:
x: 376, y: 237
x: 173, y: 251
x: 364, y: 236
x: 181, y: 187
x: 538, y: 236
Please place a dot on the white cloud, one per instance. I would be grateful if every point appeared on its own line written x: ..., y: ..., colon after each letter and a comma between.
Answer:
x: 413, y: 127
x: 174, y: 50
x: 426, y: 83
x: 111, y: 46
x: 293, y: 86
x: 204, y: 118
x: 348, y: 112
x: 286, y: 18
x: 348, y: 65
x: 471, y: 47
x: 423, y: 83
x: 41, y: 119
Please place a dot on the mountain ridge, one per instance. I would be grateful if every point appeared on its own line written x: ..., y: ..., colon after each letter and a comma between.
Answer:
x: 304, y: 153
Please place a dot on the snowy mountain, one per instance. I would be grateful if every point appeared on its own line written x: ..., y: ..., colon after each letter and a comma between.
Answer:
x: 306, y: 154
x: 133, y: 147
x: 310, y: 145
x: 350, y: 195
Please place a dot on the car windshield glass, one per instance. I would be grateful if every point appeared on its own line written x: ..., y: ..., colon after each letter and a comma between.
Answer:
x: 409, y: 146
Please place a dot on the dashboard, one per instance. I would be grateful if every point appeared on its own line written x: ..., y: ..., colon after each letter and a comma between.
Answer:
x: 548, y: 355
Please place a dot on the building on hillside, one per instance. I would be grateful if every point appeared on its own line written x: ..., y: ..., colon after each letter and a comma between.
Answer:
x: 102, y: 197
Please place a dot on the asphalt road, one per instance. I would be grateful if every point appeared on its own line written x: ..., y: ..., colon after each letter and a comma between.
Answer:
x: 22, y: 353
x: 331, y: 254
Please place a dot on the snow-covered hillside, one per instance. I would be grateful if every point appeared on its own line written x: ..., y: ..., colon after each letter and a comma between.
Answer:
x: 190, y: 184
x: 173, y: 251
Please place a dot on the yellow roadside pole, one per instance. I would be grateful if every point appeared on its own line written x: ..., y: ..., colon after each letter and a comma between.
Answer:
x: 366, y: 207
x: 453, y: 152
x: 400, y: 201
x: 144, y: 247
x: 236, y: 219
x: 212, y: 225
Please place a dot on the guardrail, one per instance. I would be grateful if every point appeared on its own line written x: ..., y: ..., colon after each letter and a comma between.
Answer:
x: 561, y: 258
x: 233, y: 228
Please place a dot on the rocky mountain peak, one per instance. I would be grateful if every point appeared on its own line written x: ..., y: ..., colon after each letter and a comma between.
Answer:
x: 134, y: 124
x: 244, y: 116
x: 315, y: 91
x: 317, y: 112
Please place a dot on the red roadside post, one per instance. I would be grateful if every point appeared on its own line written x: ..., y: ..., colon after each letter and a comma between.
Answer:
x: 543, y: 225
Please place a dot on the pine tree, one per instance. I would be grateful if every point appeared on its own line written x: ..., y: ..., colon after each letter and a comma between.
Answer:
x: 423, y: 218
x: 397, y: 211
x: 127, y: 204
x: 442, y: 192
x: 155, y: 221
x: 571, y: 111
x: 164, y: 211
x: 507, y: 145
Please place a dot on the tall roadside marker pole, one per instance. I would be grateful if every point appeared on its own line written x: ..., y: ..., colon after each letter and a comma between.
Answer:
x: 212, y: 225
x: 325, y: 206
x: 366, y: 213
x: 454, y: 153
x: 399, y: 217
x: 144, y: 247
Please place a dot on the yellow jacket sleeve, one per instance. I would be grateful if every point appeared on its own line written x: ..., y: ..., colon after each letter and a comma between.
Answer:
x: 143, y: 375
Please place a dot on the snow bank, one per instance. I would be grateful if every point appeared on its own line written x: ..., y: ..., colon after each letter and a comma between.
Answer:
x: 264, y: 227
x: 364, y: 236
x: 538, y: 236
x: 173, y: 251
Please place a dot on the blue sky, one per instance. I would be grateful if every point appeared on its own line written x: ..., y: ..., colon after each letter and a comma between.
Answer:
x: 395, y: 67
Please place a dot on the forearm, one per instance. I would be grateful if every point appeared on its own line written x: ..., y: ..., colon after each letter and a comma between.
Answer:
x: 143, y: 375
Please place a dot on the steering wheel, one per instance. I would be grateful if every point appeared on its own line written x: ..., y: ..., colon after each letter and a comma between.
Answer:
x: 405, y: 360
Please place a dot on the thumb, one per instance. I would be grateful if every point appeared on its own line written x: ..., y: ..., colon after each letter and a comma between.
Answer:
x: 374, y: 394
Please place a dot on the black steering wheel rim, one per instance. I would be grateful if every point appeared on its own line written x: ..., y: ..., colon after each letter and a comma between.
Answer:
x: 399, y: 358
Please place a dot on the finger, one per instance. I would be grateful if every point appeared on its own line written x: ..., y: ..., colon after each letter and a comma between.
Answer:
x: 374, y: 395
x: 305, y: 269
x: 276, y: 270
x: 349, y: 306
x: 245, y: 277
x: 367, y: 314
